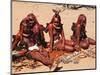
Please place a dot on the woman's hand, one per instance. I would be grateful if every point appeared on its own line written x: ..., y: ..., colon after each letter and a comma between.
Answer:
x: 77, y: 47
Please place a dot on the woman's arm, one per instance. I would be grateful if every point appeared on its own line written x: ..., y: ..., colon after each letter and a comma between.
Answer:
x: 50, y: 28
x: 22, y: 24
x: 63, y: 38
x: 78, y: 33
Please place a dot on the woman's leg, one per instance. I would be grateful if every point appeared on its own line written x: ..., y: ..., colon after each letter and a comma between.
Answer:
x: 36, y: 55
x: 15, y: 42
x: 69, y: 48
x: 68, y: 45
x: 70, y: 42
x: 84, y: 44
x: 91, y: 41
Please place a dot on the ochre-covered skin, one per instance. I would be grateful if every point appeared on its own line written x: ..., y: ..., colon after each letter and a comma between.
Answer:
x: 45, y: 57
x: 16, y: 38
x: 79, y: 33
x: 69, y: 46
x: 55, y: 29
x: 30, y: 31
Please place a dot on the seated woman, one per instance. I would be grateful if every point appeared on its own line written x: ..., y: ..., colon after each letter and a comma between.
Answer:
x: 79, y: 33
x: 30, y: 32
x: 56, y: 33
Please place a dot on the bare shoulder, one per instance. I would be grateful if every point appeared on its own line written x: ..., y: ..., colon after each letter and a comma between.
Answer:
x: 50, y: 26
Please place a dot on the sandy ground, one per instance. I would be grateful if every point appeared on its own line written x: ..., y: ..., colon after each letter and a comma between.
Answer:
x: 44, y: 14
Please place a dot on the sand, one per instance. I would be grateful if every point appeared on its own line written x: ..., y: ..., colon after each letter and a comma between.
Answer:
x: 44, y: 14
